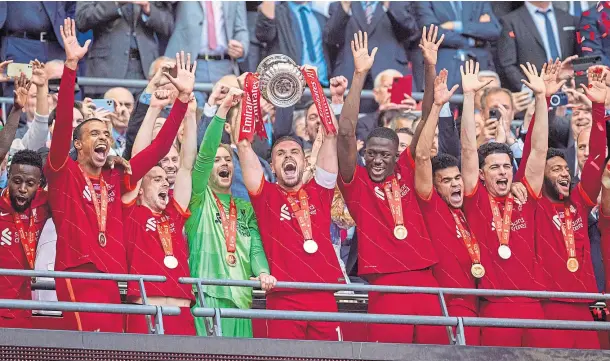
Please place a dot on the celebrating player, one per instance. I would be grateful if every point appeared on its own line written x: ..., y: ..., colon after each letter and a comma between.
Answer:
x: 85, y: 200
x: 294, y: 220
x: 23, y: 213
x: 154, y: 239
x: 505, y: 230
x: 223, y: 234
x: 440, y: 190
x: 393, y: 243
x: 562, y: 219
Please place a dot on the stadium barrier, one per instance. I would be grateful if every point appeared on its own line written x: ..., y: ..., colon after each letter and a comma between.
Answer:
x: 445, y: 320
x: 144, y: 309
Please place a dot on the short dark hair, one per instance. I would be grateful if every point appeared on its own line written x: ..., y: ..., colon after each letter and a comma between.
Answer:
x: 443, y: 161
x: 405, y: 131
x: 78, y: 130
x: 288, y: 138
x: 53, y: 113
x: 554, y: 152
x: 27, y: 157
x: 386, y: 116
x: 493, y: 148
x: 385, y: 133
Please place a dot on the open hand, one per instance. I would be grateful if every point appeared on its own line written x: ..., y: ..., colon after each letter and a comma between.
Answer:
x: 185, y: 79
x: 360, y: 50
x: 429, y: 45
x: 74, y: 52
x: 534, y: 81
x: 39, y: 75
x: 596, y: 91
x: 470, y: 77
x: 441, y: 93
x: 22, y: 87
x: 550, y: 75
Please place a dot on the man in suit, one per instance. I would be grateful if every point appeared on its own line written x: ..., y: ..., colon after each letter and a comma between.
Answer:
x: 592, y: 26
x: 389, y: 25
x: 535, y: 33
x: 124, y: 33
x: 217, y: 32
x: 469, y: 28
x: 294, y: 29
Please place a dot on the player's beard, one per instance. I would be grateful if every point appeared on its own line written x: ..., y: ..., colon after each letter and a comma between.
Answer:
x: 20, y: 208
x: 552, y: 190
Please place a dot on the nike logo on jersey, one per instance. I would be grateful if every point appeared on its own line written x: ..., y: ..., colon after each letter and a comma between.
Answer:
x: 6, y: 239
x: 284, y: 213
x: 151, y: 224
x: 87, y: 193
x: 4, y: 214
x: 379, y: 193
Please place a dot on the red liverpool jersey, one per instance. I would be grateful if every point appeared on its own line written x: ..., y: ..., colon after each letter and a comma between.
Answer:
x: 549, y: 219
x: 454, y: 262
x: 283, y: 240
x: 379, y: 252
x: 76, y: 221
x: 145, y: 253
x: 12, y: 254
x: 522, y: 270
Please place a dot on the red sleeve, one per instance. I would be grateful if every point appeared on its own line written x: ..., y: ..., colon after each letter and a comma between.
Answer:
x: 527, y: 147
x: 352, y: 192
x: 62, y: 135
x: 159, y: 147
x: 183, y: 213
x: 592, y: 170
x: 406, y: 159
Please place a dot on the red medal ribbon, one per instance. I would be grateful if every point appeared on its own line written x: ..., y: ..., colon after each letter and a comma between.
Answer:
x: 28, y: 240
x: 567, y: 228
x: 101, y: 206
x: 502, y: 222
x: 229, y: 224
x: 317, y: 94
x: 302, y: 214
x: 251, y: 119
x: 165, y: 235
x: 392, y: 193
x: 469, y: 239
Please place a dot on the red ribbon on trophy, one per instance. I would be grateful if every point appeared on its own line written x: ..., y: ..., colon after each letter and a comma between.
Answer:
x: 251, y: 119
x: 317, y: 94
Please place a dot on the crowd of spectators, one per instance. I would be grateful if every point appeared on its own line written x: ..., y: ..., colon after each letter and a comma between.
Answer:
x: 141, y: 40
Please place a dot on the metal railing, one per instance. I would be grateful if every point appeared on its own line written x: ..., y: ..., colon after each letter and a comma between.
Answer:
x: 145, y: 308
x: 445, y: 320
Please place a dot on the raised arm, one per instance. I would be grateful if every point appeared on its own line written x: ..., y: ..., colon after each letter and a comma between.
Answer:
x: 470, y: 157
x: 160, y: 146
x: 423, y: 164
x: 36, y: 135
x: 159, y: 100
x: 346, y: 139
x: 605, y: 204
x: 211, y: 139
x: 7, y: 134
x: 552, y: 84
x: 188, y: 153
x: 429, y: 47
x: 593, y: 168
x: 62, y: 140
x: 534, y: 170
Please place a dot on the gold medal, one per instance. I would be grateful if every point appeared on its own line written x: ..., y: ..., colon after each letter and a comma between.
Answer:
x: 231, y: 260
x: 477, y: 270
x: 170, y: 262
x: 400, y: 232
x: 101, y: 238
x: 504, y: 251
x: 310, y: 246
x: 572, y: 264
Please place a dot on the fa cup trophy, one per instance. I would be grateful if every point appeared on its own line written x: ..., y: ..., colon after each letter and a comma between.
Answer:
x: 281, y: 81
